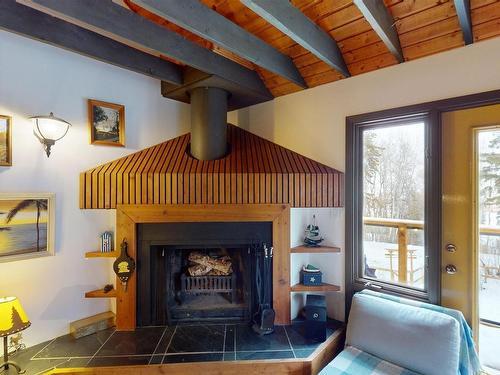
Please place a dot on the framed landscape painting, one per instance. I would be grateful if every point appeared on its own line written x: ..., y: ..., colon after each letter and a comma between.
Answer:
x: 5, y: 141
x: 26, y: 226
x: 106, y: 123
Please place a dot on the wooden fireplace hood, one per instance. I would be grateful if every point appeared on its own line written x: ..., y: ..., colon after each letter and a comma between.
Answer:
x: 254, y: 171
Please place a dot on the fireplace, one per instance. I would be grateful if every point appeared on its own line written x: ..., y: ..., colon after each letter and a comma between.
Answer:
x: 192, y: 272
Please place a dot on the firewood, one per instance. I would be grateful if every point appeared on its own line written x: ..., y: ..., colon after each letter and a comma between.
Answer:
x: 221, y: 264
x: 199, y: 270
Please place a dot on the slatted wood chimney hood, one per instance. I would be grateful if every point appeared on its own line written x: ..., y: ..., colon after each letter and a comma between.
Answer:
x: 254, y: 171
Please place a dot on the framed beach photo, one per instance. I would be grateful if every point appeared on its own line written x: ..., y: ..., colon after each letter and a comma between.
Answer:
x: 5, y: 141
x: 26, y: 226
x: 106, y: 123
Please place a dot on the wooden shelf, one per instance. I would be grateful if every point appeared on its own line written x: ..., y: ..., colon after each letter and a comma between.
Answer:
x: 320, y: 288
x: 317, y: 250
x: 99, y: 293
x: 100, y: 254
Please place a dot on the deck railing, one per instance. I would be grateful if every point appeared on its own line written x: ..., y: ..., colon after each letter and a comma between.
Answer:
x: 402, y: 227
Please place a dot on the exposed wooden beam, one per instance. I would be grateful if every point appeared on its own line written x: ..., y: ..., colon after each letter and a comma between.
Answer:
x: 199, y: 19
x: 292, y: 22
x: 381, y: 20
x: 463, y: 12
x: 31, y: 23
x: 123, y: 25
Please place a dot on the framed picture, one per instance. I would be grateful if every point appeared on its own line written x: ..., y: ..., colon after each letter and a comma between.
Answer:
x: 106, y: 123
x: 26, y: 226
x: 5, y: 141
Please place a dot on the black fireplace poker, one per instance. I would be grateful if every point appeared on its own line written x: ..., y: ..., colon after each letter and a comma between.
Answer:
x: 264, y: 318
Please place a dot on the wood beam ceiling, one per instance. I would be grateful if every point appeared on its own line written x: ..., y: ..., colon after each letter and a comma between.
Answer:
x: 408, y: 29
x: 31, y: 23
x: 210, y: 25
x: 381, y: 20
x: 116, y: 22
x: 464, y: 17
x: 292, y: 22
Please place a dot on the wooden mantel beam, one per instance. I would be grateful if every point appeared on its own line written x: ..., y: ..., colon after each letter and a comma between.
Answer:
x: 118, y: 23
x: 381, y: 20
x: 464, y: 17
x: 33, y: 24
x: 199, y: 19
x: 292, y: 22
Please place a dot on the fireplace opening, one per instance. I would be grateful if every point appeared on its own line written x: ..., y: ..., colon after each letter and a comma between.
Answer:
x: 198, y: 272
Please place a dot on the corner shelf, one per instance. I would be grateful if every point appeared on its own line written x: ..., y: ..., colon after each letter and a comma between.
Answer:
x: 319, y: 288
x: 100, y: 254
x: 317, y: 250
x: 99, y: 293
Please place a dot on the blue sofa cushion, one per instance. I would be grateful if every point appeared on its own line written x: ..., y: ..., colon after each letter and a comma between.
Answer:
x: 418, y: 339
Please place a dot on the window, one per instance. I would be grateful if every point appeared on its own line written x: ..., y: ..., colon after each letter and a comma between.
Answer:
x: 392, y: 227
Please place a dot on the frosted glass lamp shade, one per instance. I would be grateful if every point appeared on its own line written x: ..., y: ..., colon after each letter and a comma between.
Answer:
x: 12, y: 316
x: 49, y: 129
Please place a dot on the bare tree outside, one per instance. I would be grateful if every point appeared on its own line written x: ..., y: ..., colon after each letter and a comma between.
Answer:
x: 489, y: 221
x: 393, y: 202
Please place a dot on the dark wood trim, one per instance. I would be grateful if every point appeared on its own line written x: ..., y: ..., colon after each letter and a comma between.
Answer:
x: 199, y: 19
x: 117, y: 22
x: 381, y: 20
x: 354, y: 269
x: 442, y: 105
x: 33, y: 24
x: 464, y: 17
x: 292, y: 22
x: 433, y: 110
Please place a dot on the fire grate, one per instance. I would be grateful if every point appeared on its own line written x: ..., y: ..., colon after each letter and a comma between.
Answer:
x: 208, y: 285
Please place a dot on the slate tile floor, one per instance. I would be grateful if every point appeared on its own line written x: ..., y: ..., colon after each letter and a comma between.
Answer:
x: 155, y: 345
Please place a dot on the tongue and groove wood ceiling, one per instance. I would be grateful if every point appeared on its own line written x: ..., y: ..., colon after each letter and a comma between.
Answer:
x: 424, y: 27
x: 364, y: 35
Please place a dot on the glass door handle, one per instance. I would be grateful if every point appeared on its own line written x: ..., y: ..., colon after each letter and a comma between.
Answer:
x: 450, y: 269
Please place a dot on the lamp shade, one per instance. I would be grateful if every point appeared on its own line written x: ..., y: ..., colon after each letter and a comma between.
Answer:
x: 12, y: 316
x: 50, y: 127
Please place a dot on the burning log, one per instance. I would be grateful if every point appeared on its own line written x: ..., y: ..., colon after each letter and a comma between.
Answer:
x: 206, y: 265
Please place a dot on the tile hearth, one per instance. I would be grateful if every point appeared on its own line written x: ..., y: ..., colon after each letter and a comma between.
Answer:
x: 156, y: 345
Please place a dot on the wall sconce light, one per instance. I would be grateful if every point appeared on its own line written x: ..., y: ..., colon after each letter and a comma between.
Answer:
x: 49, y: 129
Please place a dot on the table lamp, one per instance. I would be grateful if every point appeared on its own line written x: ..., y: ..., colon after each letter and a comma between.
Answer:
x: 12, y: 320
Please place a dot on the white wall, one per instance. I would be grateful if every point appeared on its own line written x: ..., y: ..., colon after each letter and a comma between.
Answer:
x: 36, y: 78
x: 331, y: 225
x: 312, y: 123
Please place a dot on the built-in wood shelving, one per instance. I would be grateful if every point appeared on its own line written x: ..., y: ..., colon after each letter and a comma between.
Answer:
x: 99, y: 293
x: 319, y: 288
x: 315, y: 250
x: 100, y: 254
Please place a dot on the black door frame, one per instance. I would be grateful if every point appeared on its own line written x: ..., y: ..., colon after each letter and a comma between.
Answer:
x: 353, y: 216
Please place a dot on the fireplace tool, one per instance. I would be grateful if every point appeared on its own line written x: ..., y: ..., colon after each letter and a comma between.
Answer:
x: 264, y: 318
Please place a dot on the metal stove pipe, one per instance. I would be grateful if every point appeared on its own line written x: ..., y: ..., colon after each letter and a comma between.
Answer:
x: 208, y: 123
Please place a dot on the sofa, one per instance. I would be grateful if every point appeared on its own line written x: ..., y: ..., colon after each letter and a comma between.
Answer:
x: 387, y: 335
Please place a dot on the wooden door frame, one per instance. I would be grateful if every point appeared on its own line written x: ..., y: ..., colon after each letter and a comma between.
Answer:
x: 128, y: 216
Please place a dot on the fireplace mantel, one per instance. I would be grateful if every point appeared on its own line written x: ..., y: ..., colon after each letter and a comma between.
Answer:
x: 128, y: 216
